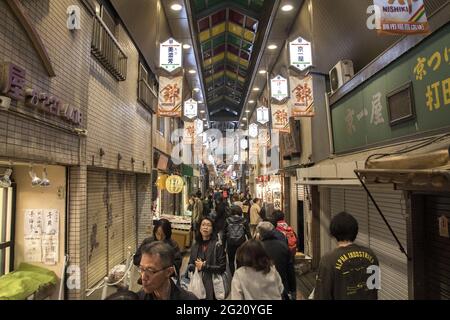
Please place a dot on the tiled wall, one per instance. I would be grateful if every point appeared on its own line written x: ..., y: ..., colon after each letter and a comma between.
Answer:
x: 26, y: 138
x: 115, y: 121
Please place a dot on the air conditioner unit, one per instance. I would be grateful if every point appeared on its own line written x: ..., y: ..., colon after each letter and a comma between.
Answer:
x: 340, y: 74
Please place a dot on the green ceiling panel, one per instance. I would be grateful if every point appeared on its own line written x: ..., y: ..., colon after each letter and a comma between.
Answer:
x: 223, y: 32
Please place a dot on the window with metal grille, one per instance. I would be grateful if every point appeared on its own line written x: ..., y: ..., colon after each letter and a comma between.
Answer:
x: 148, y: 87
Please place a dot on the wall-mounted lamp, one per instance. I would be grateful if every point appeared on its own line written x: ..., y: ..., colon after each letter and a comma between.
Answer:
x: 5, y: 181
x: 35, y: 180
x: 44, y: 181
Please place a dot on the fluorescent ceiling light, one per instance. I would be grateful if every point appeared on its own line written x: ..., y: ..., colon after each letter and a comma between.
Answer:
x: 256, y: 89
x: 251, y: 101
x: 176, y: 7
x: 192, y: 71
x: 196, y: 89
x: 287, y: 8
x: 272, y: 47
x: 262, y: 72
x: 186, y: 46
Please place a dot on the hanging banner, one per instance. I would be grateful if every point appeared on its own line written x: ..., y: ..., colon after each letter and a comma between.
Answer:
x: 174, y: 184
x: 170, y: 96
x: 402, y: 17
x: 170, y: 55
x: 279, y: 88
x: 280, y: 118
x: 300, y: 54
x: 302, y: 98
x: 253, y: 147
x: 262, y: 115
x: 190, y: 108
x: 253, y: 130
x: 198, y: 127
x: 189, y: 132
x: 264, y: 138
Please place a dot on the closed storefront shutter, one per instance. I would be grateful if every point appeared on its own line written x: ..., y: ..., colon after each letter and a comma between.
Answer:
x: 116, y: 220
x: 130, y: 213
x: 300, y: 192
x: 437, y: 248
x: 393, y: 263
x: 374, y: 233
x: 97, y: 227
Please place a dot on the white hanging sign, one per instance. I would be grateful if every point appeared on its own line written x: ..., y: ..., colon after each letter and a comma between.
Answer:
x: 253, y: 130
x: 198, y: 127
x: 262, y: 115
x: 190, y: 109
x: 300, y: 54
x: 170, y: 55
x: 443, y: 227
x: 279, y: 88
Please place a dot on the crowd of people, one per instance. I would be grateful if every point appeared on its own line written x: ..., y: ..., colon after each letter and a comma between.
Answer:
x: 241, y: 253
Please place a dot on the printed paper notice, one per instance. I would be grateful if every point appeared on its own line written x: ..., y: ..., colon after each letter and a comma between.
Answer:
x: 33, y: 252
x: 51, y: 222
x: 50, y: 249
x: 33, y: 222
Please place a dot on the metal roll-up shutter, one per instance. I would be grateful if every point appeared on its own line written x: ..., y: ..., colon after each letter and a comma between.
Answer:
x: 437, y: 249
x: 337, y: 203
x: 356, y: 205
x: 300, y: 192
x: 130, y: 213
x: 393, y: 263
x: 116, y: 221
x: 97, y: 199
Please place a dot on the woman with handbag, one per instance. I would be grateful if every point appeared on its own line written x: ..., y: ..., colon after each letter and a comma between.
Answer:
x: 207, y: 256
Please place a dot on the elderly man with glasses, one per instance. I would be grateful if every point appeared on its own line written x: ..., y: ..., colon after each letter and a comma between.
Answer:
x: 156, y: 268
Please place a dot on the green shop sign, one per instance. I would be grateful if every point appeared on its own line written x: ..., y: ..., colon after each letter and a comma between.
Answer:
x: 368, y: 115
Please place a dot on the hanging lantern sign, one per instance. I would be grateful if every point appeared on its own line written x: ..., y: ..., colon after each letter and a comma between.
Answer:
x: 190, y: 109
x: 279, y: 88
x: 189, y: 132
x: 244, y: 144
x: 174, y: 184
x: 262, y: 115
x: 253, y: 130
x: 170, y: 55
x: 302, y: 98
x: 169, y: 98
x: 264, y: 138
x: 198, y: 127
x: 280, y: 118
x: 300, y: 54
x: 161, y: 182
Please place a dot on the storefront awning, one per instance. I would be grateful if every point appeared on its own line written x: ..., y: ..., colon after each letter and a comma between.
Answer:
x: 427, y: 171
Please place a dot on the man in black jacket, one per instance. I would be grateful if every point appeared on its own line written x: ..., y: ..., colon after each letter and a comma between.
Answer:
x: 156, y: 268
x: 278, y: 252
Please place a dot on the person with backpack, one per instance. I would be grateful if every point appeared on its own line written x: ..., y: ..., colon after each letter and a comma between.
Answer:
x: 278, y: 252
x: 236, y: 232
x: 284, y: 228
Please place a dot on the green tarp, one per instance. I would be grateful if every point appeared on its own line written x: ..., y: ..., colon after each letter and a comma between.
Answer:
x: 26, y: 280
